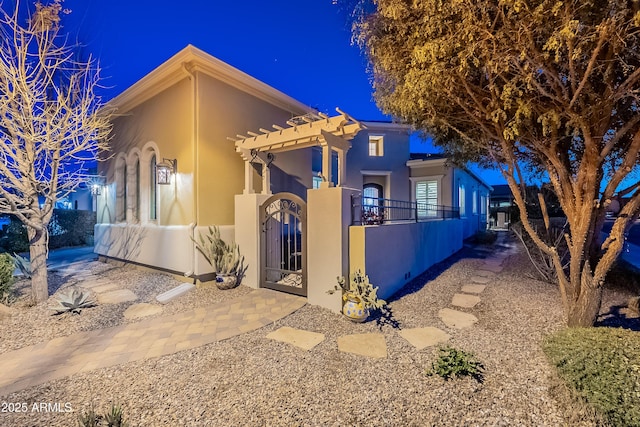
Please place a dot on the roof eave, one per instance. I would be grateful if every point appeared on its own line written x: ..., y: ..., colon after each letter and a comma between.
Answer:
x: 192, y: 59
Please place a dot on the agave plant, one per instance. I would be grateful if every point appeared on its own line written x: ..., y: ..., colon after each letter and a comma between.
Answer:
x: 73, y: 302
x: 224, y: 258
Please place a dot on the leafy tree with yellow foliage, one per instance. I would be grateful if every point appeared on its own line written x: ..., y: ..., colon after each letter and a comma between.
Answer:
x: 547, y: 85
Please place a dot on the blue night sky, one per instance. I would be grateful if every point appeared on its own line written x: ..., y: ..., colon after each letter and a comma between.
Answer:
x: 302, y: 48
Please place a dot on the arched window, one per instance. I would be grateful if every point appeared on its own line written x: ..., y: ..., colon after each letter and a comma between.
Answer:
x: 371, y: 194
x: 136, y: 189
x: 153, y: 189
x: 121, y: 190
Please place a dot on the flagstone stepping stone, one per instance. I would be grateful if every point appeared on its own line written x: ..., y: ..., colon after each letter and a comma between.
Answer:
x: 105, y: 288
x: 174, y: 293
x: 116, y: 297
x: 305, y: 340
x: 485, y: 273
x: 464, y: 300
x: 480, y: 279
x: 424, y: 337
x: 492, y: 268
x: 144, y: 309
x: 473, y: 289
x: 457, y: 319
x: 369, y: 345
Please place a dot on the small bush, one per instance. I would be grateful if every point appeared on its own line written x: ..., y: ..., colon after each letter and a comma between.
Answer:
x: 602, y: 367
x: 453, y: 363
x: 113, y: 418
x: 7, y: 266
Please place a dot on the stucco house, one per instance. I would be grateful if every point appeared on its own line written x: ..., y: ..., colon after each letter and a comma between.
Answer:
x: 199, y: 143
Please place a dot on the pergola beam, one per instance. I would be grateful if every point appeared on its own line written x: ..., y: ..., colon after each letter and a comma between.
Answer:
x: 311, y: 130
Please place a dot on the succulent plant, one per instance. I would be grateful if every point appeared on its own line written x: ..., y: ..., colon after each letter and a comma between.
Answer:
x: 73, y: 302
x: 115, y: 418
x: 359, y: 287
x: 224, y: 258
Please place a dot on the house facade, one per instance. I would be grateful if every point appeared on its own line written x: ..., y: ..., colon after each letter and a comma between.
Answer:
x: 231, y: 144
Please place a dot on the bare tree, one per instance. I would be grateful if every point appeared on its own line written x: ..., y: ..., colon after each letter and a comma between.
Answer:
x: 51, y: 121
x: 546, y: 84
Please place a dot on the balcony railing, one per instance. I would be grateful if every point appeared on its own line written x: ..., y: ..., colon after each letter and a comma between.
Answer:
x: 372, y: 211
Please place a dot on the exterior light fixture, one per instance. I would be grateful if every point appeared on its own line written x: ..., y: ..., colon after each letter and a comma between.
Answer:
x: 96, y: 184
x: 96, y: 189
x: 165, y: 169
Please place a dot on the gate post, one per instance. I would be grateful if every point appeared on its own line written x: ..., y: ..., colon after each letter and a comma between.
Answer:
x: 247, y: 234
x: 328, y: 221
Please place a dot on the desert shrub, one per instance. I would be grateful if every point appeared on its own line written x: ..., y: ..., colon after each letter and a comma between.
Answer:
x: 602, y: 367
x: 542, y: 261
x: 7, y: 266
x: 453, y: 363
x: 70, y: 227
x: 14, y: 239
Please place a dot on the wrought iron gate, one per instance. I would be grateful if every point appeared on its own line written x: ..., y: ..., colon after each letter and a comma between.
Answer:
x: 283, y: 241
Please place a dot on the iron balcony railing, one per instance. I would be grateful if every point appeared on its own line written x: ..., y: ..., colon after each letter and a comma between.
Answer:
x: 371, y: 211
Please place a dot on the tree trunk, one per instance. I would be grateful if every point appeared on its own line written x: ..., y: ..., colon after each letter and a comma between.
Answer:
x: 584, y: 311
x: 38, y: 252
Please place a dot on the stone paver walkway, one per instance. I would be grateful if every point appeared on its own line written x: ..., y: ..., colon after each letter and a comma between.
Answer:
x: 86, y: 351
x: 150, y: 338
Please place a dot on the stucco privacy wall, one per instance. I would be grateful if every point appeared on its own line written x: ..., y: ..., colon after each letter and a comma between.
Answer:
x: 393, y: 254
x: 164, y: 123
x: 169, y: 247
x: 224, y: 111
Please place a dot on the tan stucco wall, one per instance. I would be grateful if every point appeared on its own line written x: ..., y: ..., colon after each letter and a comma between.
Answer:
x: 164, y: 122
x: 225, y: 111
x: 393, y: 161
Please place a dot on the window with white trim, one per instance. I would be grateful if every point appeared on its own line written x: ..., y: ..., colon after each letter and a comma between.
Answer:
x: 462, y: 200
x: 135, y: 209
x: 474, y: 202
x: 121, y: 190
x: 153, y: 189
x: 376, y: 146
x: 427, y: 198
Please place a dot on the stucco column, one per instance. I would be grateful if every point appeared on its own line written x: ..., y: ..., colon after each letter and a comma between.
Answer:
x: 328, y: 221
x: 247, y: 234
x: 266, y: 179
x: 342, y: 166
x: 248, y: 178
x: 326, y: 166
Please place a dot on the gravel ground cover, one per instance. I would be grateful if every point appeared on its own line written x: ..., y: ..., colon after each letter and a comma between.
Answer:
x: 250, y: 380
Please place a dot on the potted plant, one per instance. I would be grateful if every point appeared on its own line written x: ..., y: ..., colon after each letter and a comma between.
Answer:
x: 359, y: 297
x: 227, y: 263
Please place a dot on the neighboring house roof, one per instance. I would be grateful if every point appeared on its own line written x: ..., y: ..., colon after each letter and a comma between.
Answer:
x: 191, y: 59
x: 375, y: 125
x: 426, y: 156
x: 417, y: 159
x: 501, y: 191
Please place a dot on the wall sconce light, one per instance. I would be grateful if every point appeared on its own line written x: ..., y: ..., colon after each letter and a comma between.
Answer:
x: 96, y: 184
x: 165, y: 169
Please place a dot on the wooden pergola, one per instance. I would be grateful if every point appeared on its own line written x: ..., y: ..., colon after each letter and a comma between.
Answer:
x: 310, y: 130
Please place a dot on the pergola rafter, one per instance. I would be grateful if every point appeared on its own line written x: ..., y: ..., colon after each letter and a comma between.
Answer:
x: 310, y: 130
